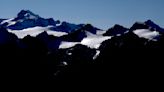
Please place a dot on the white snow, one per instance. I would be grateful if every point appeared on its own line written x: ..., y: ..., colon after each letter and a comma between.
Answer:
x: 35, y: 31
x: 89, y: 34
x: 96, y: 55
x: 69, y: 53
x: 146, y: 33
x: 100, y: 32
x: 56, y: 33
x: 65, y: 63
x: 9, y: 21
x: 94, y: 41
x: 65, y: 45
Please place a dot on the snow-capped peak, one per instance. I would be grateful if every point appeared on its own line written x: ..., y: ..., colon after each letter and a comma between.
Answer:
x: 27, y: 14
x: 27, y: 19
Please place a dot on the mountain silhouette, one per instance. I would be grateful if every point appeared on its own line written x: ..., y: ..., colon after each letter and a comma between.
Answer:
x: 44, y: 50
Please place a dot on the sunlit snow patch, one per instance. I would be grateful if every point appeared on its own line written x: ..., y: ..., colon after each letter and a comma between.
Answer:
x: 9, y: 21
x: 35, y: 31
x: 146, y: 33
x: 65, y: 45
x: 96, y: 55
x: 100, y: 32
x: 94, y: 41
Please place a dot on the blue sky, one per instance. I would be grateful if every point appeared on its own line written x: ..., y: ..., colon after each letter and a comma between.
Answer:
x: 100, y: 13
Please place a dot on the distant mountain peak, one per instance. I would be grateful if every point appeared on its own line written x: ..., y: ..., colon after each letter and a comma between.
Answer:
x: 139, y: 25
x: 67, y: 27
x: 90, y: 28
x: 116, y: 30
x: 154, y: 26
x: 149, y: 21
x: 27, y: 14
x: 118, y: 26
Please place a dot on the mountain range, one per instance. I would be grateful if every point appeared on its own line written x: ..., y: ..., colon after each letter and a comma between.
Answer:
x: 50, y: 50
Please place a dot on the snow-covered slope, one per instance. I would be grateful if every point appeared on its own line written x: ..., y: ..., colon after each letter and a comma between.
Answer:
x: 100, y: 32
x: 36, y: 31
x: 65, y: 45
x: 94, y: 41
x: 146, y: 33
x: 9, y: 22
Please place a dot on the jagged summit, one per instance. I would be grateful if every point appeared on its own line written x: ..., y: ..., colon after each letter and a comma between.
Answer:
x: 29, y: 23
x: 154, y: 26
x: 116, y: 30
x: 42, y: 50
x: 27, y: 14
x: 27, y: 19
x: 67, y: 27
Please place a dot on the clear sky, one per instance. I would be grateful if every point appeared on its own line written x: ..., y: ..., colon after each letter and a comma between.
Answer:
x: 100, y: 13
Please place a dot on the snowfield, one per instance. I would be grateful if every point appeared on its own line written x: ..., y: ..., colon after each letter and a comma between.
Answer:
x: 65, y: 45
x: 9, y: 21
x: 94, y: 41
x: 35, y: 31
x: 146, y: 33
